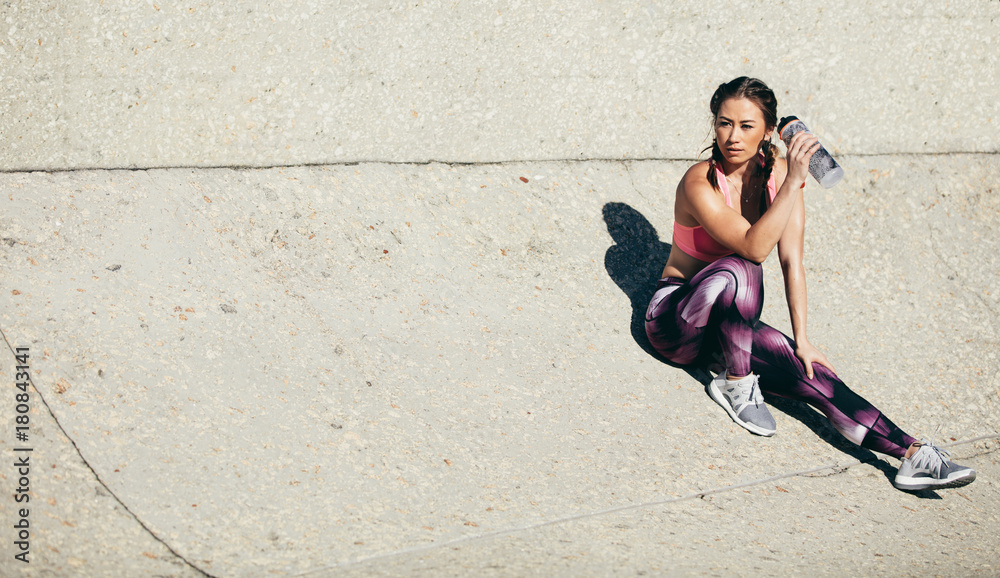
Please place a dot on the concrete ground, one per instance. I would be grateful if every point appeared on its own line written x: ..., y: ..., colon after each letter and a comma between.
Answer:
x: 298, y: 301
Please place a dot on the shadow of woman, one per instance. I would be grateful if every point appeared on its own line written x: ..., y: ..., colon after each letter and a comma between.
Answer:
x: 635, y: 263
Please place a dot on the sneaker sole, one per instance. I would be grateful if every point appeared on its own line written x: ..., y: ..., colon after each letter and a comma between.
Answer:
x: 913, y: 484
x: 720, y: 399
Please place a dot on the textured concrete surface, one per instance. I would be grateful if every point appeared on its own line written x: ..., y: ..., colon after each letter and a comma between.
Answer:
x: 850, y: 523
x: 158, y: 84
x: 398, y: 366
x: 291, y: 370
x: 78, y: 527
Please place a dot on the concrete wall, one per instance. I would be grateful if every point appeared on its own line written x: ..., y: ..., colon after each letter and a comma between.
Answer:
x: 158, y: 84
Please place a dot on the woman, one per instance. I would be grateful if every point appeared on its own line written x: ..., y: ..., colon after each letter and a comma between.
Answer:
x: 729, y: 213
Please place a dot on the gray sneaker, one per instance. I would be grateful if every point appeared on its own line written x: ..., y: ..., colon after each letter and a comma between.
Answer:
x: 929, y: 467
x: 742, y: 401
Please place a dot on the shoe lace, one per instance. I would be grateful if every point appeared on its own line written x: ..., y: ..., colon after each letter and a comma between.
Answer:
x: 754, y: 394
x: 750, y: 392
x: 936, y: 457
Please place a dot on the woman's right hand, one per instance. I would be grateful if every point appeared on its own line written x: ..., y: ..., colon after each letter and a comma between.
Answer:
x: 800, y: 149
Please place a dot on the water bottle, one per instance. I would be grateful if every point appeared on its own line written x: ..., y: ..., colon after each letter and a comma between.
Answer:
x: 822, y: 166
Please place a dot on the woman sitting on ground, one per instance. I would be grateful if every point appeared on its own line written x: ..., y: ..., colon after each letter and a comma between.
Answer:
x: 729, y: 213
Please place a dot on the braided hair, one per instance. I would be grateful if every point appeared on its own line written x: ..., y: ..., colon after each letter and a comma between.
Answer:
x: 758, y: 93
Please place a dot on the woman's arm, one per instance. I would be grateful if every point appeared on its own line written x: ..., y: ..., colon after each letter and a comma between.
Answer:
x: 790, y: 249
x: 753, y: 242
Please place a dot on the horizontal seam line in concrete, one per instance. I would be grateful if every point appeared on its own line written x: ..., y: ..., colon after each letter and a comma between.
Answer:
x: 454, y: 163
x: 837, y: 467
x: 94, y: 472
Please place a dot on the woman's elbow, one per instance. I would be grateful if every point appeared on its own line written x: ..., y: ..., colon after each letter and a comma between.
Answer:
x: 756, y: 249
x: 758, y: 252
x: 755, y: 255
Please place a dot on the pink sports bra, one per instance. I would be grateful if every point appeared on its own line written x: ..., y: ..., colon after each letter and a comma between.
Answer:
x: 696, y: 241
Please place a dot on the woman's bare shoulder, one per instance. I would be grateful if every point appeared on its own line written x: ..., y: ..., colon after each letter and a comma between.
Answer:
x: 695, y: 190
x: 695, y: 180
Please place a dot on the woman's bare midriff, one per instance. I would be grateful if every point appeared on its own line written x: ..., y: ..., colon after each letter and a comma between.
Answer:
x: 681, y: 265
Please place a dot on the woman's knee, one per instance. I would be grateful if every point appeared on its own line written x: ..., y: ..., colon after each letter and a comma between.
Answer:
x: 746, y: 286
x: 746, y: 276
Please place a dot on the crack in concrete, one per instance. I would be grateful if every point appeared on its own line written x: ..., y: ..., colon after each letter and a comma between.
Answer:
x: 837, y: 467
x: 448, y: 163
x: 628, y: 170
x: 97, y: 477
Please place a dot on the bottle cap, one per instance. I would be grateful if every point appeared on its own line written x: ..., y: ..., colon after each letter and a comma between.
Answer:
x: 786, y: 121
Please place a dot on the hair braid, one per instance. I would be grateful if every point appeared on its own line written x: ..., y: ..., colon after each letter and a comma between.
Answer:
x: 765, y: 198
x: 716, y: 160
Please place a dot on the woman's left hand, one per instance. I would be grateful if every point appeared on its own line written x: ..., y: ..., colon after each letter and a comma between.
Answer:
x: 809, y: 355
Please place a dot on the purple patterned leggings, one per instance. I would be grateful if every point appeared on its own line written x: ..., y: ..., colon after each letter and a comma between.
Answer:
x: 716, y: 316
